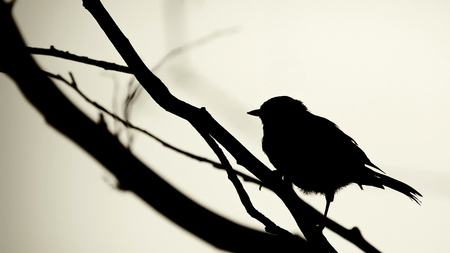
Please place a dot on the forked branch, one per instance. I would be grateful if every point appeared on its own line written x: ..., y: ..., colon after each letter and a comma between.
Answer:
x: 159, y: 92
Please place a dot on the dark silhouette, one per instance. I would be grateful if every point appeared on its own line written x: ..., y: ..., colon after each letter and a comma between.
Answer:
x: 132, y: 174
x: 314, y: 154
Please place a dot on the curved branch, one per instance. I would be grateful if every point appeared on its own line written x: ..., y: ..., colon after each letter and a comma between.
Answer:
x: 73, y: 85
x: 161, y: 94
x: 35, y: 87
x: 132, y: 174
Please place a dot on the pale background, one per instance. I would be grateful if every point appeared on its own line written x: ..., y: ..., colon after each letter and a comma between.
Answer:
x: 378, y: 69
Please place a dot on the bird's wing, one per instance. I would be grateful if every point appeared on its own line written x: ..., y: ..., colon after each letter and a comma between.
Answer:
x: 341, y: 144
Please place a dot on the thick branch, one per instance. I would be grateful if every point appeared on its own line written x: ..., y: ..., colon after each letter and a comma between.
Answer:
x: 11, y: 62
x: 353, y: 235
x: 159, y: 92
x: 106, y: 149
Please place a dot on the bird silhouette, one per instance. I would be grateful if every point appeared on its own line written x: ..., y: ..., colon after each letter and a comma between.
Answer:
x: 314, y: 154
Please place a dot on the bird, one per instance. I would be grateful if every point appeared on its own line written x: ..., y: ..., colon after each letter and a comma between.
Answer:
x: 315, y: 155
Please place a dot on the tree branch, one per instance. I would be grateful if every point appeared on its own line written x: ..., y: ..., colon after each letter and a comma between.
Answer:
x: 245, y: 199
x: 232, y: 174
x: 127, y: 124
x: 159, y: 92
x: 83, y: 59
x: 48, y: 100
x: 94, y: 138
x: 52, y: 51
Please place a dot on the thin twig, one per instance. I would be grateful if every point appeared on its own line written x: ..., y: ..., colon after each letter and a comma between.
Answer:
x: 127, y: 124
x: 83, y: 59
x: 52, y: 51
x: 193, y: 44
x: 105, y: 148
x: 162, y: 96
x: 243, y: 196
x: 132, y: 96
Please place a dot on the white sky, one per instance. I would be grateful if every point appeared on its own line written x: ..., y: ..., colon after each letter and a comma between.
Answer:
x: 378, y: 69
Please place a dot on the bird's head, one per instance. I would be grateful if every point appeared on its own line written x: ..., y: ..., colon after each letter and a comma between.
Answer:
x: 279, y: 108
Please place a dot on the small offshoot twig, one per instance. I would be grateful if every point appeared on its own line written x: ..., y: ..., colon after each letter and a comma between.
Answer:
x: 83, y: 59
x: 271, y: 227
x: 120, y: 68
x: 127, y: 124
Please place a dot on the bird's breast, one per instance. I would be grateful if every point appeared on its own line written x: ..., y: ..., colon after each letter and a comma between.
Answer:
x: 304, y: 159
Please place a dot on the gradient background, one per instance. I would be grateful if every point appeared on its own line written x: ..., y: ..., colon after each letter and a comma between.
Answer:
x: 378, y: 69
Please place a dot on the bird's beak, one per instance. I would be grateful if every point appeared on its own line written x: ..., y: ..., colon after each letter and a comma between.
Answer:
x: 254, y: 113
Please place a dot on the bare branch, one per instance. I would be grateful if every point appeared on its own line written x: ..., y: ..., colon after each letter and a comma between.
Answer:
x: 52, y: 51
x: 245, y: 199
x: 193, y: 44
x: 127, y: 124
x: 353, y: 235
x: 14, y: 67
x: 83, y: 59
x: 65, y: 117
x: 115, y: 67
x: 172, y: 54
x: 160, y: 93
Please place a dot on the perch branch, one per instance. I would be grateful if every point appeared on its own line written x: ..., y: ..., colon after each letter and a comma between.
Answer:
x: 66, y: 118
x: 243, y: 196
x: 161, y: 94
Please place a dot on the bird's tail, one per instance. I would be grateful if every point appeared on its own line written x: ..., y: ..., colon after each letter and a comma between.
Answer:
x: 400, y: 187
